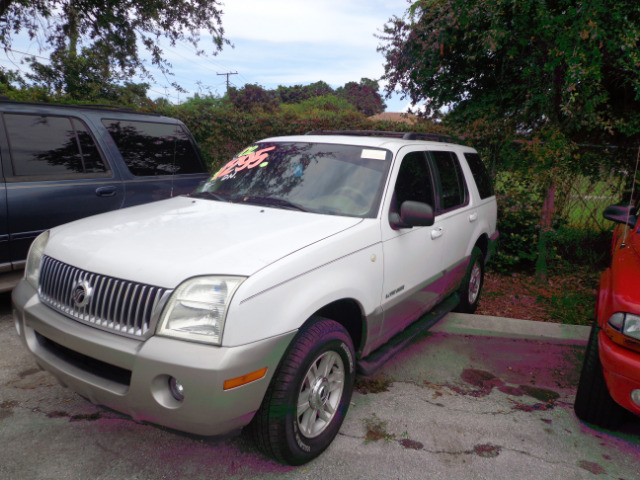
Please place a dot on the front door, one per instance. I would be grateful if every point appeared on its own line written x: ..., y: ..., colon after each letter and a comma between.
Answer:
x: 55, y: 173
x: 412, y: 256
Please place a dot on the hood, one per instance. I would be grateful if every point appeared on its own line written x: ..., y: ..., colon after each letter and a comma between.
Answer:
x: 165, y: 242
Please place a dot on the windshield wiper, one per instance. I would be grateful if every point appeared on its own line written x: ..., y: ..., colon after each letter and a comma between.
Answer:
x: 275, y: 202
x: 215, y: 196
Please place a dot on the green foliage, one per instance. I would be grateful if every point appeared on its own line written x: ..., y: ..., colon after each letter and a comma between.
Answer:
x: 573, y: 308
x: 326, y: 105
x: 85, y: 78
x: 127, y: 94
x: 112, y: 30
x: 552, y: 74
x: 364, y: 96
x: 251, y: 98
x: 519, y: 205
x: 223, y: 128
x: 300, y: 93
x: 376, y: 429
x: 572, y: 65
x: 581, y: 245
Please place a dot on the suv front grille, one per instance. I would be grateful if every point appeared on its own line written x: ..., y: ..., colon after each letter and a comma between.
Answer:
x: 108, y: 303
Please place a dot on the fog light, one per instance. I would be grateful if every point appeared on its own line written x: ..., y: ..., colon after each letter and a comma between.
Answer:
x: 635, y: 397
x: 176, y: 388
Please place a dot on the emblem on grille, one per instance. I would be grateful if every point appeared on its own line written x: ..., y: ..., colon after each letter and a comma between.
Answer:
x: 81, y: 293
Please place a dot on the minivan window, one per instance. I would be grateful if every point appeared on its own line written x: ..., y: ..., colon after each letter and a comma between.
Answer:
x: 63, y: 147
x: 150, y: 148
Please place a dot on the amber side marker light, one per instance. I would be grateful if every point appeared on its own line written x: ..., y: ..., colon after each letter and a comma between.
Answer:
x: 244, y: 379
x: 622, y: 339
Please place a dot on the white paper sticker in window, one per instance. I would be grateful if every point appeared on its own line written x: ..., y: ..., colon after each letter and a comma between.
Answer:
x: 374, y: 154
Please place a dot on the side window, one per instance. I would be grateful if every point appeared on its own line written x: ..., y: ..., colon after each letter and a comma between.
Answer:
x: 480, y: 175
x: 150, y: 148
x: 453, y: 189
x: 414, y: 181
x: 50, y: 145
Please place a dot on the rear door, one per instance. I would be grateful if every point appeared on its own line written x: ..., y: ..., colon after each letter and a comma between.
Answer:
x: 162, y: 158
x: 55, y: 173
x: 455, y: 217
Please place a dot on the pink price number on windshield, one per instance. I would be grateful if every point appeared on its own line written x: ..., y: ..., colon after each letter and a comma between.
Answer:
x: 244, y: 162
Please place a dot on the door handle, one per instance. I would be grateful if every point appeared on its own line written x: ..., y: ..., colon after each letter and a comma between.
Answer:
x: 473, y: 217
x: 108, y: 191
x: 437, y: 232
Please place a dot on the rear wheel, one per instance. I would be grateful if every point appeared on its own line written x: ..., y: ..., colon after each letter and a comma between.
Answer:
x: 309, y: 395
x: 472, y: 284
x: 594, y: 403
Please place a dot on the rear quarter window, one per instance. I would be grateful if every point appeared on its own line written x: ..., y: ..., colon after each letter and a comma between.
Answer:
x: 152, y: 148
x: 480, y: 175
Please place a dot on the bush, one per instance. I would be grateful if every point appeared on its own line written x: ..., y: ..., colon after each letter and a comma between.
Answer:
x: 582, y: 246
x: 519, y: 206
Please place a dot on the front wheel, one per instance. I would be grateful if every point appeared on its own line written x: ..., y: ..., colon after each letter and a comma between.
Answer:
x: 309, y: 395
x: 594, y: 403
x: 472, y: 284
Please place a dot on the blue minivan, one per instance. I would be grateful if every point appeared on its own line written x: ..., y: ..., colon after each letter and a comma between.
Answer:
x: 59, y: 163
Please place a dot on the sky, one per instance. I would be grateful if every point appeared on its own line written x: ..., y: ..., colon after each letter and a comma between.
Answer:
x: 275, y: 42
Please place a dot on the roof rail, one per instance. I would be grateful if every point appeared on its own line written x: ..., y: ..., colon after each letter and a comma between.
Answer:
x: 433, y: 137
x: 113, y: 108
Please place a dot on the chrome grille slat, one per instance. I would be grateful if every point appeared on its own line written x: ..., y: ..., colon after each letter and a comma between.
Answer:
x: 116, y: 305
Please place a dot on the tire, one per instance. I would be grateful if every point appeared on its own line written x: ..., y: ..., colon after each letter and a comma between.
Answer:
x: 594, y: 403
x: 471, y: 287
x: 309, y: 395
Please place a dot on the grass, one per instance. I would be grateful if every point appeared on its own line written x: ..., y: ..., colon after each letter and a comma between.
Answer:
x: 377, y: 430
x: 572, y: 308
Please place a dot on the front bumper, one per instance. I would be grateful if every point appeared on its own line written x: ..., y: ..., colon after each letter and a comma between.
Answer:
x: 132, y: 376
x: 621, y: 369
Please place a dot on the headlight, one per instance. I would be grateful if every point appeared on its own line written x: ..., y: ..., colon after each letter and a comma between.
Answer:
x: 626, y: 323
x: 624, y: 329
x: 197, y: 309
x: 34, y: 259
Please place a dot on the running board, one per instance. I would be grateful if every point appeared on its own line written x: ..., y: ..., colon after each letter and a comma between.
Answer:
x: 368, y: 365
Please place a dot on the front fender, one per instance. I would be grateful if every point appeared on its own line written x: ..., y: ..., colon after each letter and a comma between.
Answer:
x: 281, y: 307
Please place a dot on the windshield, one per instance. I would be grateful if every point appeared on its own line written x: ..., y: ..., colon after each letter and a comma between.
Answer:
x: 319, y: 178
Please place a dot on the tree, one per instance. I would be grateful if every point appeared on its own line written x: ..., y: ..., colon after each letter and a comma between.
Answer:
x: 252, y: 97
x: 300, y: 93
x: 111, y: 29
x: 364, y: 96
x: 557, y: 72
x: 85, y: 78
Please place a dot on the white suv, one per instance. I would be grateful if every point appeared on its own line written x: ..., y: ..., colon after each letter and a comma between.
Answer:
x: 254, y: 300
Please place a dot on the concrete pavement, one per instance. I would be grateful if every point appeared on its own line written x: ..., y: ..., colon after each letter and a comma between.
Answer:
x: 474, y: 398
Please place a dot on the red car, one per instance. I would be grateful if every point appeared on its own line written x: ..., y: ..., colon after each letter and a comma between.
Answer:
x: 609, y: 384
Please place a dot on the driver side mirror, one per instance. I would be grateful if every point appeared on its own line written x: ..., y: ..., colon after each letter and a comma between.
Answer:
x: 412, y: 214
x: 620, y: 214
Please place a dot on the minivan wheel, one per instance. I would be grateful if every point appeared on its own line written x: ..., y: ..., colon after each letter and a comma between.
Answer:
x: 309, y: 394
x: 472, y: 284
x: 594, y: 403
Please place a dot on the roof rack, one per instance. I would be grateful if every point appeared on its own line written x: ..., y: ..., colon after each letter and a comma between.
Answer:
x: 433, y: 137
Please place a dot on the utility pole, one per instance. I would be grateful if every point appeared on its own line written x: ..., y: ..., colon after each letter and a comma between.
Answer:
x: 227, y: 74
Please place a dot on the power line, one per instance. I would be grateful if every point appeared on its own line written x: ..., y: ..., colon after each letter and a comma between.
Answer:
x: 13, y: 50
